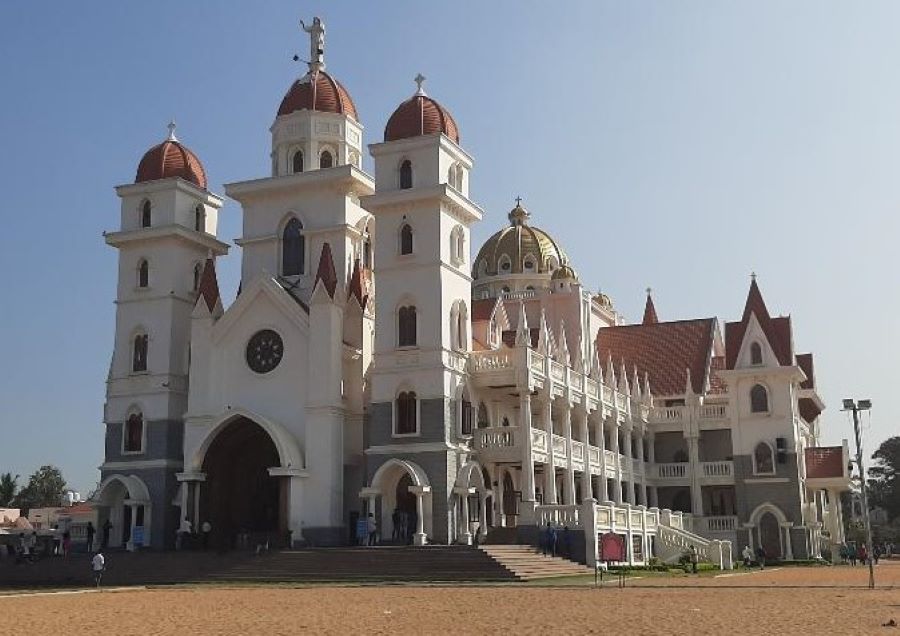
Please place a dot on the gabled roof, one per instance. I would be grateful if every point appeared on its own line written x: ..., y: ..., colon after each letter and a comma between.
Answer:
x: 805, y: 362
x: 483, y: 309
x: 776, y: 330
x: 664, y: 351
x: 209, y: 285
x: 326, y: 272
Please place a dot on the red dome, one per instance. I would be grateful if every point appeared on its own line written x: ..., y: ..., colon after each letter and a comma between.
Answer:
x: 318, y: 91
x: 171, y: 159
x: 420, y: 115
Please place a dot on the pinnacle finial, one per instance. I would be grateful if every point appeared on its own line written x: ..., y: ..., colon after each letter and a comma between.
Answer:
x: 171, y: 128
x: 649, y: 291
x: 753, y: 276
x: 419, y: 79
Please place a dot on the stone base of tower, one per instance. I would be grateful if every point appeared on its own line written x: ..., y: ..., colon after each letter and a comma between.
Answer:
x: 138, y: 504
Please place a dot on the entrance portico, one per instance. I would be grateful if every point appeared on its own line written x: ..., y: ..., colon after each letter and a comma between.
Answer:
x: 388, y: 482
x: 125, y: 503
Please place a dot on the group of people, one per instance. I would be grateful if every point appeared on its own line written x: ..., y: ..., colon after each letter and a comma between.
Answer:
x: 185, y: 537
x: 555, y: 540
x: 860, y: 554
x: 748, y: 554
x: 403, y: 525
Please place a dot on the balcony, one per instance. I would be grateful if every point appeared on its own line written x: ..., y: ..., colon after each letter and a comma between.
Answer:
x: 711, y: 473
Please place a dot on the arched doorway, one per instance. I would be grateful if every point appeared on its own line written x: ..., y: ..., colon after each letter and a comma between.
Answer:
x: 239, y: 496
x: 770, y: 535
x: 510, y: 500
x: 392, y: 482
x: 405, y: 508
x: 115, y: 530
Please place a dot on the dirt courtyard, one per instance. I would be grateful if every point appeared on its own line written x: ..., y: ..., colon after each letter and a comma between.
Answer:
x: 757, y: 603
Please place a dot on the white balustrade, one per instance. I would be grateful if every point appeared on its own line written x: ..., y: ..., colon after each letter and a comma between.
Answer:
x: 496, y: 437
x: 610, y: 458
x: 679, y: 470
x: 668, y: 414
x: 717, y: 469
x: 557, y: 371
x: 713, y: 411
x: 491, y: 360
x: 720, y: 524
x: 558, y: 515
x: 578, y: 451
x: 594, y: 456
x: 607, y: 394
x: 539, y: 440
x: 537, y: 362
x: 559, y: 446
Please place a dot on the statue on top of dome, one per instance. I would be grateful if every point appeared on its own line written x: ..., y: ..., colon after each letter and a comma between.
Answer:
x: 316, y: 32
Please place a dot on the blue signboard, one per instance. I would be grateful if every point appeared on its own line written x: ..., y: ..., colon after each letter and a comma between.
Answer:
x: 137, y: 536
x: 362, y: 529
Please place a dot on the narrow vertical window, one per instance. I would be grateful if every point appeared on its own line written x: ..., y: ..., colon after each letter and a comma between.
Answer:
x: 297, y: 162
x: 483, y: 421
x: 293, y: 249
x: 145, y: 214
x: 326, y: 160
x: 755, y: 353
x: 406, y: 239
x: 139, y: 357
x: 407, y: 327
x: 406, y: 177
x: 764, y: 458
x: 759, y: 399
x: 200, y: 219
x: 143, y: 274
x: 367, y: 252
x: 466, y: 417
x: 407, y: 421
x: 198, y: 272
x: 134, y: 433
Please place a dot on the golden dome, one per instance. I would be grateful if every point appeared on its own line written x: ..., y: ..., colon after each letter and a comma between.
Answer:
x: 564, y: 273
x: 519, y: 248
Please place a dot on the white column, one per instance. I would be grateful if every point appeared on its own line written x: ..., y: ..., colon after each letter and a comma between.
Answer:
x: 603, y: 495
x: 788, y: 544
x: 527, y: 454
x: 569, y: 481
x: 482, y: 523
x: 196, y: 515
x: 130, y: 545
x: 617, y: 482
x: 498, y: 503
x: 465, y: 535
x: 628, y: 452
x: 642, y: 472
x: 587, y: 487
x: 696, y: 492
x: 550, y: 467
x: 420, y: 538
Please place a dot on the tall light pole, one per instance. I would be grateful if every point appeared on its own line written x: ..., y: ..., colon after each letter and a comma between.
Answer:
x: 855, y: 407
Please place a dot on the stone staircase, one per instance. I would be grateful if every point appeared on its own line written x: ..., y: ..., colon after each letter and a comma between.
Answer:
x: 527, y: 564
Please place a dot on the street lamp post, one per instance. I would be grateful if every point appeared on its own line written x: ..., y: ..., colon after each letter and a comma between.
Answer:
x: 855, y: 407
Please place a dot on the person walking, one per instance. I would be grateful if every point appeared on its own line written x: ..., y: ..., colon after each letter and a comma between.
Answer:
x: 747, y: 555
x: 373, y: 529
x: 66, y: 544
x: 90, y: 530
x: 862, y: 554
x: 98, y: 565
x: 544, y: 539
x: 107, y: 526
x: 695, y: 558
x: 761, y: 557
x: 554, y: 537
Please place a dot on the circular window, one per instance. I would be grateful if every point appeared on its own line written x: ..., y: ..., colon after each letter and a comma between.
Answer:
x: 264, y: 351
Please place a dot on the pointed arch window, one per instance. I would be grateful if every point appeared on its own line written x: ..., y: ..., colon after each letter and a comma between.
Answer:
x: 297, y: 162
x: 406, y: 332
x: 406, y: 239
x: 200, y: 218
x: 406, y: 175
x: 755, y: 353
x: 293, y: 248
x: 145, y: 214
x: 139, y: 353
x: 407, y: 416
x: 466, y: 417
x: 326, y: 159
x: 483, y: 421
x: 764, y: 459
x: 198, y: 272
x: 143, y: 274
x: 759, y: 399
x: 134, y: 433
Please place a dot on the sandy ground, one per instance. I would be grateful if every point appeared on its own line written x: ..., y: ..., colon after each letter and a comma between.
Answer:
x: 769, y: 603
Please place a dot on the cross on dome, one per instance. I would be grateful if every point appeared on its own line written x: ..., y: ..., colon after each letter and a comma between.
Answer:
x: 753, y: 276
x: 419, y: 79
x: 171, y: 128
x: 518, y: 201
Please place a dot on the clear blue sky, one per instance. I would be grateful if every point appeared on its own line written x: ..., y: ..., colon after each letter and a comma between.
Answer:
x: 677, y: 145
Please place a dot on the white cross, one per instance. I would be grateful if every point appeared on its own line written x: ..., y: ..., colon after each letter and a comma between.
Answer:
x: 171, y: 128
x: 419, y: 80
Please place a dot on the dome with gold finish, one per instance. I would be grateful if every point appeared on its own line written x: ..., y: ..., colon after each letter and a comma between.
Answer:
x: 519, y: 248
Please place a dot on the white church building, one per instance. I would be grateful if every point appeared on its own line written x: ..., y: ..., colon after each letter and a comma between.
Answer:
x: 370, y: 364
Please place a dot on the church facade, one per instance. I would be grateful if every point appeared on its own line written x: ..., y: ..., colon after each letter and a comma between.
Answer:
x: 370, y: 365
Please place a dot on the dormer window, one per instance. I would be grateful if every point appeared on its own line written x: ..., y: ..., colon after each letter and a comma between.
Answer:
x: 145, y: 214
x: 505, y: 264
x: 406, y: 176
x: 297, y: 162
x: 529, y: 264
x: 755, y: 354
x: 326, y: 159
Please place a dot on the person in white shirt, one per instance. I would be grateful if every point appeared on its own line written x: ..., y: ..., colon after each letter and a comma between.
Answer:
x: 747, y: 553
x: 98, y: 564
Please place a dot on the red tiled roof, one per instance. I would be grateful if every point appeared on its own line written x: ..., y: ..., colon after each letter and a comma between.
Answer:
x: 823, y: 462
x: 483, y: 308
x: 664, y: 351
x: 420, y: 115
x: 320, y: 92
x: 326, y: 272
x: 171, y: 159
x: 805, y: 362
x: 777, y: 330
x: 809, y: 410
x: 209, y: 285
x: 650, y: 316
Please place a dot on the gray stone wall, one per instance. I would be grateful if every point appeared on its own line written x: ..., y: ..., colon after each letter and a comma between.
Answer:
x: 163, y: 439
x: 750, y: 493
x: 163, y: 489
x: 434, y: 416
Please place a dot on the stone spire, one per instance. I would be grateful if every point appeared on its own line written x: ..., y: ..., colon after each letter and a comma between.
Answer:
x: 650, y: 317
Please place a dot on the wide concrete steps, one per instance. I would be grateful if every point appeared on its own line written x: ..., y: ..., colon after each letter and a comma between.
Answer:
x: 527, y: 564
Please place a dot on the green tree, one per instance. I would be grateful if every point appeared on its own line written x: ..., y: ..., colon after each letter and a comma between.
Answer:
x: 884, y: 477
x: 8, y: 488
x: 45, y: 488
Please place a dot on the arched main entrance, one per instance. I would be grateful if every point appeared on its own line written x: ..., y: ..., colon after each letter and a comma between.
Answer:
x: 402, y: 486
x: 239, y: 497
x: 770, y: 535
x: 124, y: 509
